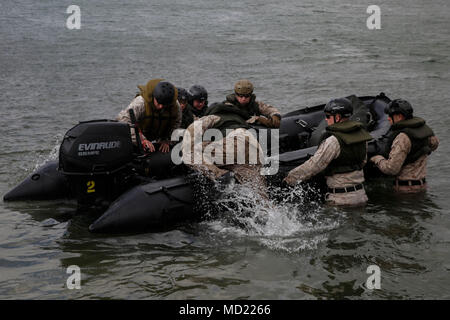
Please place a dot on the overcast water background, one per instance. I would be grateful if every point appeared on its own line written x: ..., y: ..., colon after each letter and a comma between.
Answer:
x: 297, y: 53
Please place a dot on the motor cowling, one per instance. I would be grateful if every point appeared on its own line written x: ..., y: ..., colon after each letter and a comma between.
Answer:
x: 94, y: 156
x: 97, y: 146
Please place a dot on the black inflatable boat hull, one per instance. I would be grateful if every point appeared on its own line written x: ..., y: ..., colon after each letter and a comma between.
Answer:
x: 309, y: 121
x: 46, y: 183
x: 150, y: 206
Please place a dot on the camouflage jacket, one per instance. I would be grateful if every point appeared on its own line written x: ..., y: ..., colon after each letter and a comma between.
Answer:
x: 207, y: 157
x: 138, y: 105
x: 329, y: 150
x: 394, y: 165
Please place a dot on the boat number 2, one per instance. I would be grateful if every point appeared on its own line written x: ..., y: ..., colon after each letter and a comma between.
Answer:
x: 91, y: 186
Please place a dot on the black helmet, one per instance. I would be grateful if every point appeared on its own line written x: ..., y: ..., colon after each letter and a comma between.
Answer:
x: 198, y: 92
x: 340, y: 106
x: 399, y: 106
x: 182, y: 94
x: 164, y: 92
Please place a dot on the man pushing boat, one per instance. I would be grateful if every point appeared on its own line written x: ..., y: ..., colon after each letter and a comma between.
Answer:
x: 341, y: 155
x: 220, y: 143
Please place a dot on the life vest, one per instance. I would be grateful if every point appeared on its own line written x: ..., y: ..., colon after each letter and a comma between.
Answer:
x: 231, y: 117
x: 352, y: 138
x: 417, y: 131
x: 156, y: 123
x: 251, y: 108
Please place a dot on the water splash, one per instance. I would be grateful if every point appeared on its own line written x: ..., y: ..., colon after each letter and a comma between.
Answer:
x: 52, y: 155
x: 292, y: 221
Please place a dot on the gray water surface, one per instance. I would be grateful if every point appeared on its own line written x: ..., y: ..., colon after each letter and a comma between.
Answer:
x: 297, y: 53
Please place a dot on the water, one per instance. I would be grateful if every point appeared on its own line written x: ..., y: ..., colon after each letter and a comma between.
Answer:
x: 296, y: 53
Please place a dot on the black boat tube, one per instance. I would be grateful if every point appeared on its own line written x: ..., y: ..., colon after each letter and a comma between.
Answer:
x: 150, y: 206
x: 46, y: 183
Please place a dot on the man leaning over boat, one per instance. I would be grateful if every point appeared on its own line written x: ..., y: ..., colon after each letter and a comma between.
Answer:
x: 237, y: 150
x: 157, y: 113
x: 260, y: 112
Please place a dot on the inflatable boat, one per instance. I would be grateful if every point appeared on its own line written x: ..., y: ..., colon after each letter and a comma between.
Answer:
x: 99, y: 167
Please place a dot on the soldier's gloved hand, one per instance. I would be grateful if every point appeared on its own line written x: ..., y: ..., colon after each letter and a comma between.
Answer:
x: 147, y: 145
x: 264, y: 121
x: 272, y: 122
x: 164, y: 147
x: 276, y: 120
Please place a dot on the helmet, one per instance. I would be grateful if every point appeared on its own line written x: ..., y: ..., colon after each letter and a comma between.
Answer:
x: 399, y: 106
x: 243, y: 87
x: 182, y: 94
x: 341, y: 106
x: 197, y: 92
x: 164, y: 92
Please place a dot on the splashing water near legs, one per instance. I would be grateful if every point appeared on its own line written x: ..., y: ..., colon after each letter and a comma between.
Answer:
x: 293, y: 223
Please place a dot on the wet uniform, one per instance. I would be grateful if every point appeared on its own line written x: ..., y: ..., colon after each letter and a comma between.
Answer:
x: 343, y: 163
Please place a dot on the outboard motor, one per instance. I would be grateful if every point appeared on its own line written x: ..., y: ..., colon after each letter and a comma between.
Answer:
x: 95, y: 156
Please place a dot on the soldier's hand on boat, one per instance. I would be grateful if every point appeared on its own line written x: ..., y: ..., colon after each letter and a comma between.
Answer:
x: 271, y: 122
x: 164, y: 147
x: 276, y: 120
x: 264, y: 121
x: 148, y: 146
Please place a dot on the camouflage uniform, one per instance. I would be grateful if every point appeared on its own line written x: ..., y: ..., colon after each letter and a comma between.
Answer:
x: 394, y: 166
x: 138, y: 105
x: 248, y: 172
x: 257, y: 108
x: 329, y: 150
